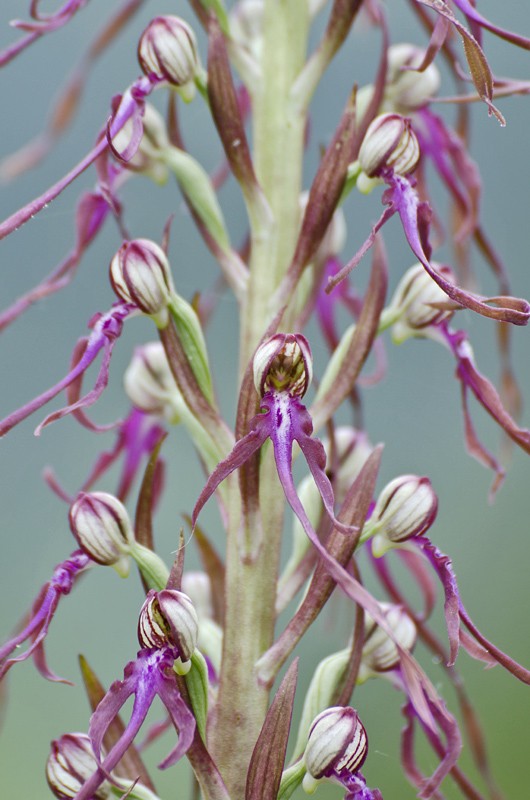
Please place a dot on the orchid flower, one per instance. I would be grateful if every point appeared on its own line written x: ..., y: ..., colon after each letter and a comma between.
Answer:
x: 44, y: 607
x: 282, y: 374
x: 389, y: 153
x: 403, y: 513
x: 167, y: 632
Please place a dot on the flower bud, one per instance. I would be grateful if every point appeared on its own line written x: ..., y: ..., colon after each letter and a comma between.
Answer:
x: 168, y: 49
x: 149, y: 382
x: 140, y: 274
x: 407, y: 89
x: 103, y: 530
x: 389, y: 144
x: 380, y: 653
x: 413, y: 300
x: 353, y: 449
x: 406, y: 507
x: 70, y: 764
x: 337, y: 741
x: 283, y: 364
x: 198, y: 587
x: 169, y: 618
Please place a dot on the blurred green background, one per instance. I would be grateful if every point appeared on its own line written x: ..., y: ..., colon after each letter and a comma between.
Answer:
x: 415, y: 411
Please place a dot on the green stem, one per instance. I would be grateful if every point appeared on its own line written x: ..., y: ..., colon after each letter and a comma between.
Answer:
x: 278, y: 136
x: 250, y: 579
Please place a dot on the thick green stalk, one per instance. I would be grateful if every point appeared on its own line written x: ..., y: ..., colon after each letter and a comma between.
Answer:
x: 278, y: 137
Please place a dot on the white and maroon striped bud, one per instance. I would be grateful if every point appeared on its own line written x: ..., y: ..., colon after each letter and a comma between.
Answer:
x: 140, y: 274
x: 283, y: 364
x: 103, y: 530
x: 168, y: 49
x: 149, y: 382
x: 169, y: 618
x: 337, y: 741
x: 380, y: 653
x: 407, y: 89
x: 419, y: 302
x: 70, y: 764
x: 406, y: 507
x: 389, y: 143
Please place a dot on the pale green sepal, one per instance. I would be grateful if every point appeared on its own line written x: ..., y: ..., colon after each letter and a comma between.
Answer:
x: 197, y: 685
x: 122, y: 566
x: 389, y: 316
x: 151, y: 566
x: 292, y: 777
x: 201, y: 82
x: 140, y: 792
x: 335, y: 363
x: 197, y: 187
x: 192, y: 340
x: 320, y: 693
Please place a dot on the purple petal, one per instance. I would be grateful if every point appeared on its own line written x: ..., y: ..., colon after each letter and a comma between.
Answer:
x: 301, y: 428
x: 260, y: 431
x: 44, y: 608
x: 386, y: 215
x: 443, y: 567
x: 182, y: 719
x: 484, y: 391
x: 106, y: 330
x: 450, y: 752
